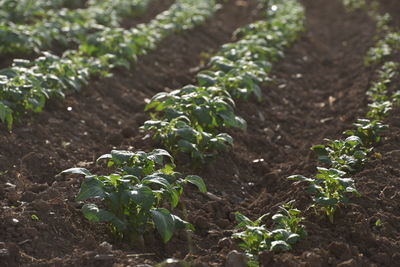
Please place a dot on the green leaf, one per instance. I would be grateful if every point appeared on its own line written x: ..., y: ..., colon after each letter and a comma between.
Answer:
x: 157, y: 155
x: 186, y: 146
x: 164, y: 223
x: 205, y: 80
x: 279, y: 245
x: 278, y: 217
x: 242, y: 220
x: 181, y: 224
x: 155, y: 179
x: 105, y: 156
x: 226, y: 137
x: 324, y: 201
x: 354, y: 140
x: 93, y: 213
x: 91, y: 188
x: 197, y: 181
x: 300, y: 178
x: 323, y: 155
x: 202, y: 115
x: 293, y: 238
x: 120, y: 156
x: 82, y: 171
x: 142, y: 196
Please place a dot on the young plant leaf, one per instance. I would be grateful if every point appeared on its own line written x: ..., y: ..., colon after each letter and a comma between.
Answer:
x: 164, y: 223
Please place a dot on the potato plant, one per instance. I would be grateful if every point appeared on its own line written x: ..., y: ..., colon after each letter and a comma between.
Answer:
x: 329, y: 189
x: 255, y: 237
x: 385, y: 47
x: 206, y: 108
x: 368, y: 131
x: 135, y: 198
x: 347, y: 155
x: 177, y: 135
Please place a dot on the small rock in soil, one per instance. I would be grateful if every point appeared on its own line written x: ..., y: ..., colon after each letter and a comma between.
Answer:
x: 29, y: 196
x: 114, y: 139
x: 348, y: 263
x: 36, y: 188
x: 128, y: 132
x: 202, y: 222
x: 4, y: 252
x: 224, y: 242
x: 236, y: 259
x: 197, y: 263
x: 313, y: 259
x: 172, y: 263
x: 340, y: 250
x: 382, y: 258
x: 105, y: 247
x: 266, y: 258
x: 104, y: 257
x: 12, y: 196
x: 41, y: 205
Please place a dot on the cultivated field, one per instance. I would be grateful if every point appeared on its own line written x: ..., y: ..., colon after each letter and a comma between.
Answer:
x: 199, y: 133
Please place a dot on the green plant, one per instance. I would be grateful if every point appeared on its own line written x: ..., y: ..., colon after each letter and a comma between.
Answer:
x: 354, y: 4
x: 329, y: 189
x: 206, y: 108
x: 385, y: 47
x: 178, y: 135
x: 368, y: 131
x: 134, y: 198
x: 347, y: 155
x: 256, y: 238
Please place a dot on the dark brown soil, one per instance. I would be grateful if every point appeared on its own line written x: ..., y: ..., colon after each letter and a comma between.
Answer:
x: 319, y: 90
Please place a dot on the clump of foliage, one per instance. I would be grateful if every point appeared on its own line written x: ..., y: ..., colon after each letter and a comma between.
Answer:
x: 135, y: 198
x: 329, y: 189
x: 255, y: 236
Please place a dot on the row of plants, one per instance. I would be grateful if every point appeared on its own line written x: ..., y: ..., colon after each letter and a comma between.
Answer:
x: 143, y: 188
x: 28, y: 84
x: 190, y: 120
x: 65, y: 27
x: 332, y: 186
x: 25, y: 11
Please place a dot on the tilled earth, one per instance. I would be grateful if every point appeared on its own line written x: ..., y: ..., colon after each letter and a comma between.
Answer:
x: 318, y: 92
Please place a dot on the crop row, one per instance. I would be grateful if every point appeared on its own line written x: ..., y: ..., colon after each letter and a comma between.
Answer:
x: 331, y: 187
x: 21, y: 11
x: 135, y: 197
x: 66, y: 27
x: 28, y: 84
x: 190, y: 120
